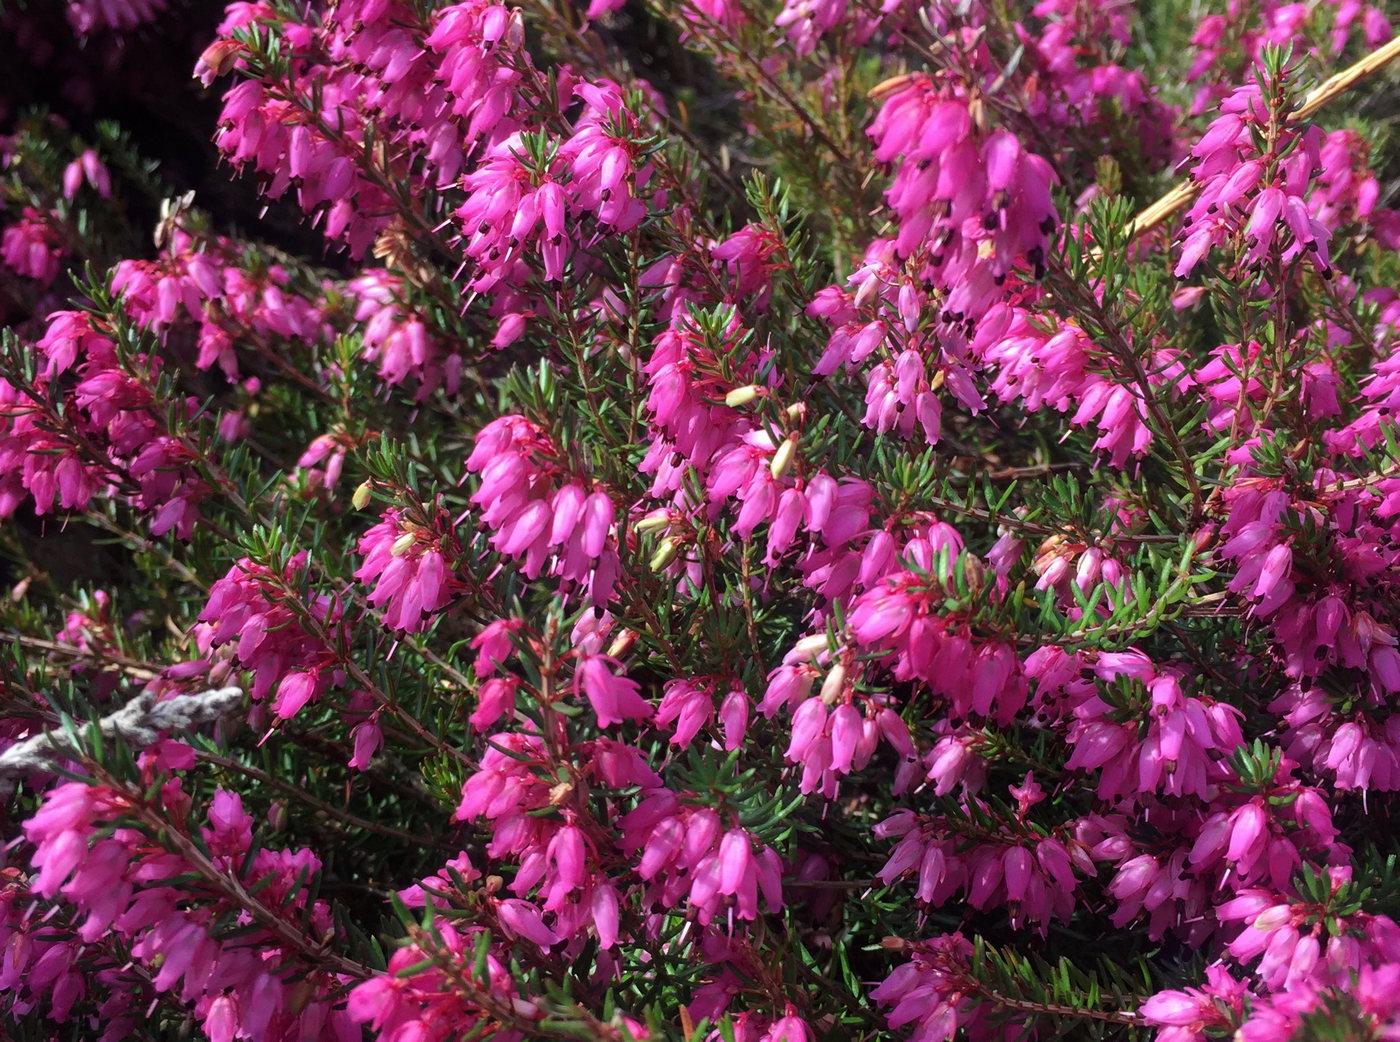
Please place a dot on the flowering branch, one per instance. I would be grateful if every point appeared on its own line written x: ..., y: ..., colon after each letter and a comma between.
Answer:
x: 1334, y: 87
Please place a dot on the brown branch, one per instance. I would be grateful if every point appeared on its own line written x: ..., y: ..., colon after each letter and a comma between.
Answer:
x: 1026, y: 1006
x: 132, y: 667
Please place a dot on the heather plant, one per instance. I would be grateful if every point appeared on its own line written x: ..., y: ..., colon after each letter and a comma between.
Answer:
x: 727, y: 521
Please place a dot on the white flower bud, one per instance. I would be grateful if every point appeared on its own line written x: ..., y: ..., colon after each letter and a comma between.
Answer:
x: 741, y: 396
x: 834, y: 684
x: 782, y: 459
x: 809, y: 647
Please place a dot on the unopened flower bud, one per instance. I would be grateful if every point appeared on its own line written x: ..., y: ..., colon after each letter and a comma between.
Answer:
x: 869, y: 290
x: 807, y: 647
x: 1204, y: 538
x: 1272, y: 918
x: 796, y: 411
x: 515, y: 32
x: 834, y: 684
x: 741, y: 395
x: 782, y: 459
x: 622, y: 643
x: 665, y: 554
x: 652, y: 523
x: 360, y: 499
x: 885, y: 88
x: 402, y: 544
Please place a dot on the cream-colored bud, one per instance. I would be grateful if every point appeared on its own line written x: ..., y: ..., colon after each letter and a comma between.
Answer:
x: 810, y: 646
x: 402, y: 544
x: 796, y: 411
x: 885, y: 88
x: 665, y: 554
x: 741, y: 396
x: 652, y: 523
x: 834, y: 684
x: 360, y: 499
x: 622, y: 643
x: 782, y: 459
x: 869, y: 290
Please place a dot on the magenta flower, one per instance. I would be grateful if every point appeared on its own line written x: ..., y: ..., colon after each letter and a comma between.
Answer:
x: 536, y: 513
x: 411, y: 577
x: 1184, y: 1015
x: 32, y: 247
x: 614, y: 698
x: 247, y: 615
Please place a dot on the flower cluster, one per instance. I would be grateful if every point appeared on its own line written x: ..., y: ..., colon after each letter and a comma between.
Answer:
x: 536, y: 512
x: 1226, y: 45
x: 31, y: 247
x: 106, y: 440
x: 116, y: 898
x: 250, y: 617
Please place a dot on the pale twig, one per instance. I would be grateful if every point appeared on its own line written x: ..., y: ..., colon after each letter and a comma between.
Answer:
x: 139, y: 723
